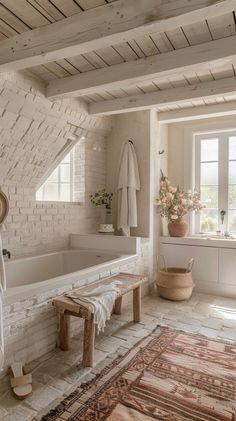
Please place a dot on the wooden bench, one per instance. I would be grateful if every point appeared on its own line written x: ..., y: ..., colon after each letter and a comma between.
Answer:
x: 66, y: 307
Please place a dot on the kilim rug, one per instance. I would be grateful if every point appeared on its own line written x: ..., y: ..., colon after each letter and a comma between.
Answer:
x: 169, y: 375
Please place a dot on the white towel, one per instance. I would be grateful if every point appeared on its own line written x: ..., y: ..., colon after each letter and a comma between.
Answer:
x: 128, y: 185
x: 100, y: 300
x: 2, y: 289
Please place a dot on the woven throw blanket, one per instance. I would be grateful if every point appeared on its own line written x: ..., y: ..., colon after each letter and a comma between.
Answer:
x: 99, y: 301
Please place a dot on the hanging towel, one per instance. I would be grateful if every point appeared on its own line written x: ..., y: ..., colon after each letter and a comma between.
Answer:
x: 2, y: 289
x: 99, y: 301
x: 128, y: 185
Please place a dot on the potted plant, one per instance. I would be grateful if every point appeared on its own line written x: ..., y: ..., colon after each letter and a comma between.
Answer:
x: 103, y: 199
x: 174, y: 204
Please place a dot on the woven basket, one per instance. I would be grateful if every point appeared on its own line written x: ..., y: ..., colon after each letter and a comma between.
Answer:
x: 175, y: 284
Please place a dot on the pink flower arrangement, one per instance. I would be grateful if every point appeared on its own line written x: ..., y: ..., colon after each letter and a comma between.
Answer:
x: 174, y: 203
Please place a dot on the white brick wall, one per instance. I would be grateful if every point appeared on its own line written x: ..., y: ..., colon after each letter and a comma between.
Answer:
x: 32, y: 132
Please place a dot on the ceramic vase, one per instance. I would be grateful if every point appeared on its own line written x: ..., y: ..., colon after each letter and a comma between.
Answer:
x: 178, y: 229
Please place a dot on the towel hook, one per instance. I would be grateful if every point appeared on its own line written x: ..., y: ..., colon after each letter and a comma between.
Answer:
x: 161, y: 152
x: 130, y: 141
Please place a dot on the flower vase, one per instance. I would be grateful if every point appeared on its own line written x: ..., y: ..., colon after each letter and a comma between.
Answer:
x: 178, y: 228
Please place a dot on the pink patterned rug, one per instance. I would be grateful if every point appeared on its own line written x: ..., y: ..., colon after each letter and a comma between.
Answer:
x: 169, y: 375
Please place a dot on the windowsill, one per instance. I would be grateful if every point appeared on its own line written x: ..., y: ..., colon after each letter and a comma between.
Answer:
x: 200, y: 241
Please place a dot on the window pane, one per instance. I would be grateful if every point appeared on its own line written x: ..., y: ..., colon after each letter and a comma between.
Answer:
x: 65, y: 172
x: 39, y: 193
x: 232, y: 220
x: 232, y: 172
x: 209, y: 150
x: 209, y: 196
x: 50, y: 191
x: 232, y: 147
x: 65, y: 192
x: 66, y: 160
x: 209, y: 174
x: 209, y: 220
x: 232, y: 196
x: 54, y: 176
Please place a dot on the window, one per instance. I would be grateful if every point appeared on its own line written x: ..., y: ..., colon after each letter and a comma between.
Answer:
x: 215, y: 177
x: 58, y: 186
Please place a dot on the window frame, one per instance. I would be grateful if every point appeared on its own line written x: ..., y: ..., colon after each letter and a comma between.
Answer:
x: 59, y: 182
x: 223, y: 171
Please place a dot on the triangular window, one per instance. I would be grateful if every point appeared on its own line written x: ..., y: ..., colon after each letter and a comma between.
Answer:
x: 58, y: 186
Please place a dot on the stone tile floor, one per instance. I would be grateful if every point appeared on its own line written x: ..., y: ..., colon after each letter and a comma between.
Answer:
x: 58, y: 373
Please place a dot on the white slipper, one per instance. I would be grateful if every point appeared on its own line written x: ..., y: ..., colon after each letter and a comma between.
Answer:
x: 21, y: 383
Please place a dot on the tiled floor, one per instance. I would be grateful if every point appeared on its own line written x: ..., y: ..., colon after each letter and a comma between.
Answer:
x: 58, y: 373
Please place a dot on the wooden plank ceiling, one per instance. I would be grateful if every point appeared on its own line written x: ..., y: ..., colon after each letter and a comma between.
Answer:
x: 18, y: 16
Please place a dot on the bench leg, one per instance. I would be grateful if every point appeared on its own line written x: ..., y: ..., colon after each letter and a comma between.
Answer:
x: 89, y: 333
x: 137, y: 304
x: 117, y: 306
x: 64, y: 333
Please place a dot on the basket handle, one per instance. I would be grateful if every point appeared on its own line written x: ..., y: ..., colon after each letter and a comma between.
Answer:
x: 190, y: 265
x: 160, y: 256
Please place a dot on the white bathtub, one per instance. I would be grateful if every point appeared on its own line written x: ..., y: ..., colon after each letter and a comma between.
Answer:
x: 29, y: 276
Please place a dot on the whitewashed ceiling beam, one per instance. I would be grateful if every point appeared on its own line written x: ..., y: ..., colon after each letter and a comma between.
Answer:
x: 166, y: 97
x: 102, y: 26
x: 204, y: 56
x: 198, y: 113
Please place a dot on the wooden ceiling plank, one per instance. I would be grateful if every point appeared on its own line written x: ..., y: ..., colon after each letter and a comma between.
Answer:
x: 89, y: 4
x: 133, y: 44
x: 26, y: 12
x: 81, y: 64
x: 223, y: 26
x: 65, y: 64
x: 196, y: 58
x: 7, y: 30
x: 117, y: 93
x: 104, y: 25
x: 199, y: 112
x: 110, y: 56
x: 197, y: 33
x: 177, y: 81
x: 67, y: 7
x: 162, y: 42
x: 204, y: 75
x: 177, y: 38
x: 43, y: 73
x: 2, y: 36
x: 224, y: 72
x: 146, y: 45
x: 162, y: 83
x: 166, y: 97
x: 126, y: 51
x: 47, y: 9
x: 11, y: 20
x: 57, y: 69
x: 132, y: 90
x: 94, y: 60
x: 192, y: 78
x: 147, y: 87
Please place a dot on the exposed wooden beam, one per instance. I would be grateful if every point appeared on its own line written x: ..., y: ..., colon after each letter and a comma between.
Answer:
x: 198, y: 57
x: 165, y: 97
x: 113, y: 23
x: 198, y: 113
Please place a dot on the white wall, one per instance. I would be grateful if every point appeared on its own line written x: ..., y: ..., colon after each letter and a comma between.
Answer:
x: 136, y: 127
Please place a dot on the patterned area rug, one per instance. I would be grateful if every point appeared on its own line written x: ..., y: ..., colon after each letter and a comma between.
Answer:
x: 169, y: 375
